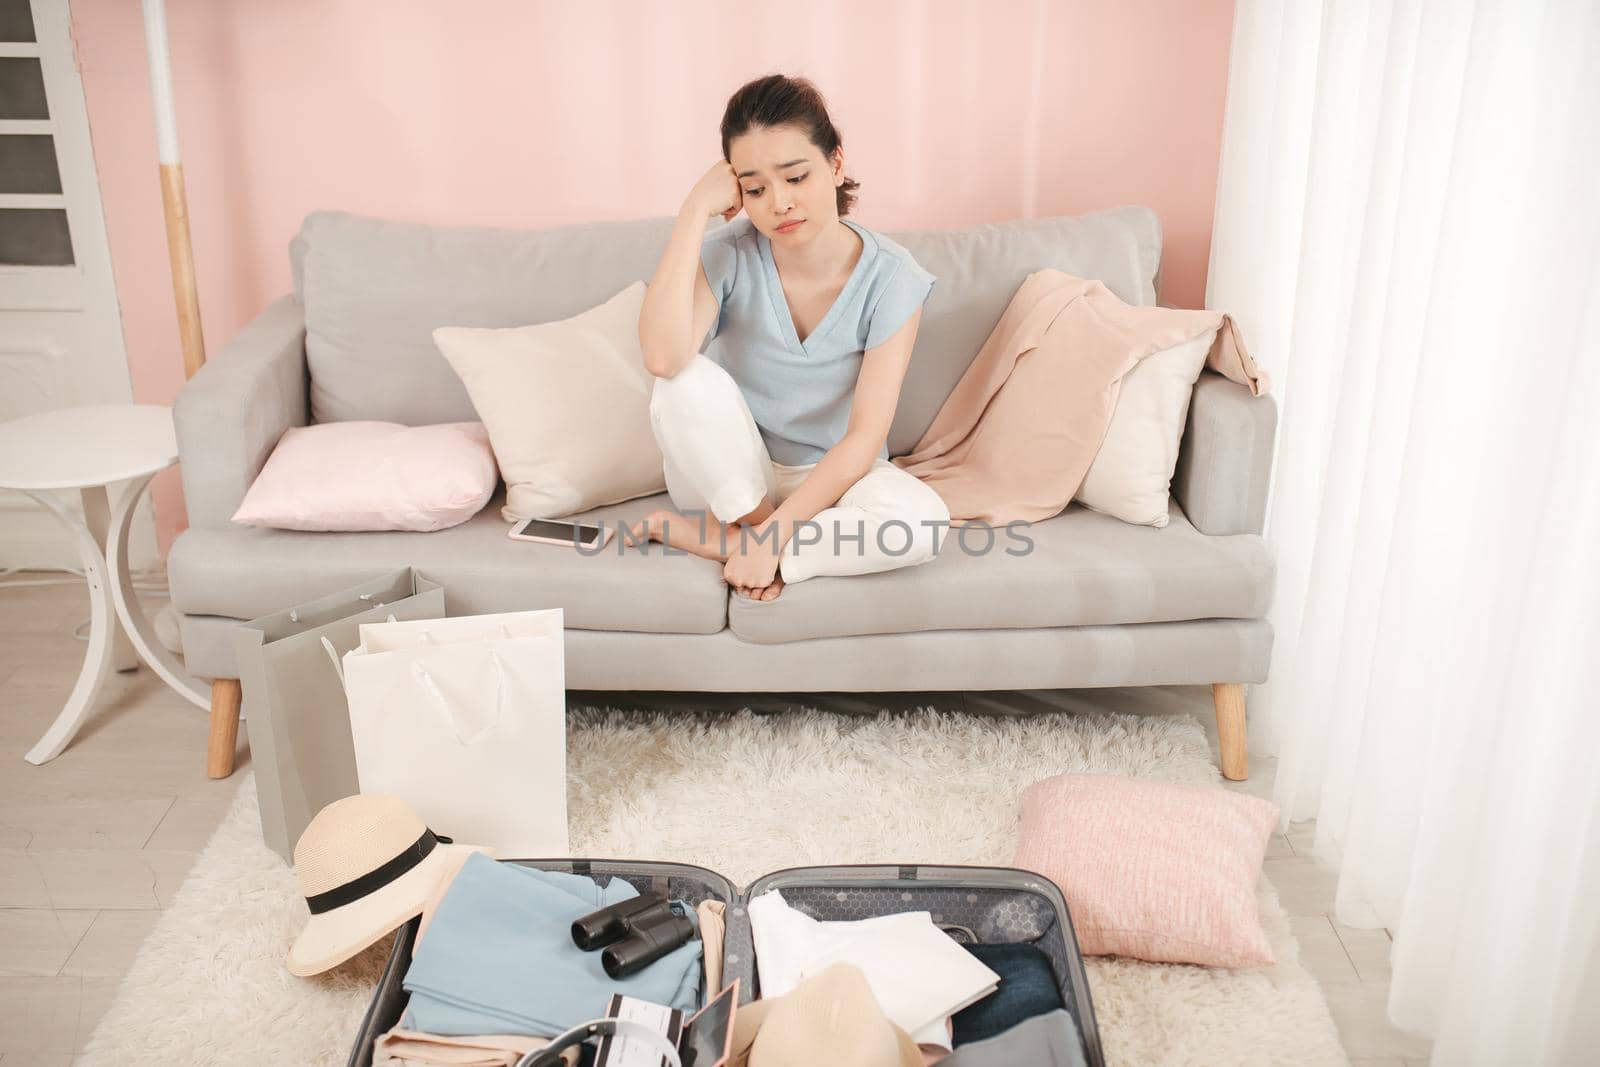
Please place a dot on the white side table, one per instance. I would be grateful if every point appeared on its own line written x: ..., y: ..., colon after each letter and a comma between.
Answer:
x: 88, y: 448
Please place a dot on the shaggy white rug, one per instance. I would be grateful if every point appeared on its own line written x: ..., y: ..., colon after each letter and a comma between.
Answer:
x: 741, y: 794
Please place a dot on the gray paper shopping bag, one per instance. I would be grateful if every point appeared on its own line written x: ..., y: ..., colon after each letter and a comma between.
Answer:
x: 296, y: 716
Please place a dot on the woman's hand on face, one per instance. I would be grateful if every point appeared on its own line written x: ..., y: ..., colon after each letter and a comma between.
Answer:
x: 718, y: 191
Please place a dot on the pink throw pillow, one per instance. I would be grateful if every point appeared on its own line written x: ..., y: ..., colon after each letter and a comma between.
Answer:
x: 350, y: 476
x: 1154, y: 871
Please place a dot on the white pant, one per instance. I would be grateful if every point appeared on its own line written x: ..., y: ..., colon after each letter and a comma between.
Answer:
x: 716, y: 461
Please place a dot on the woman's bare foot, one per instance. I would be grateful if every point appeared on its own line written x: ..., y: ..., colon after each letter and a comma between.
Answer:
x: 681, y: 531
x: 761, y: 514
x: 769, y: 593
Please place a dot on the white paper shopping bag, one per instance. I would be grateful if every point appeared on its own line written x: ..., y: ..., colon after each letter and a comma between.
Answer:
x: 465, y: 719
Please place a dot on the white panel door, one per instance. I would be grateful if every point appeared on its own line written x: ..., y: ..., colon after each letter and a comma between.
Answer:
x: 60, y: 331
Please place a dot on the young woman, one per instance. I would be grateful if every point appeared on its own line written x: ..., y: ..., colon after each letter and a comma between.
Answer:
x: 781, y: 426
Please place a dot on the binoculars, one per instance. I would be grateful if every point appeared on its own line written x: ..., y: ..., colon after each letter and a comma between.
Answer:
x: 632, y: 934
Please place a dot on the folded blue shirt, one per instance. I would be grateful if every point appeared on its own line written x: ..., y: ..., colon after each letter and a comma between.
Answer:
x: 498, y: 956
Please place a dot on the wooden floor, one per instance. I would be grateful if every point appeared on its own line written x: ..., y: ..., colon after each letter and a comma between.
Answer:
x: 94, y: 844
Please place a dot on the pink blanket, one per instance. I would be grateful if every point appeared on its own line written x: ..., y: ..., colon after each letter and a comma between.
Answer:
x: 1017, y: 435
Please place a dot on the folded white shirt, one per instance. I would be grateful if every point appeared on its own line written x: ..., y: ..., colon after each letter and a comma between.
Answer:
x: 918, y: 974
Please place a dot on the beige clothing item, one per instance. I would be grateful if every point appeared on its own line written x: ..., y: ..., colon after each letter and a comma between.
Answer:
x: 1015, y: 438
x: 410, y: 1048
x: 830, y: 1018
x: 713, y: 930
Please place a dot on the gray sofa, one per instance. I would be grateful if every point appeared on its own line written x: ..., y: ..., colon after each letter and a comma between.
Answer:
x: 1098, y: 602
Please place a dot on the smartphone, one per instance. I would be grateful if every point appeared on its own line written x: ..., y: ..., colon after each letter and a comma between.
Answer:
x: 708, y: 1036
x: 572, y: 534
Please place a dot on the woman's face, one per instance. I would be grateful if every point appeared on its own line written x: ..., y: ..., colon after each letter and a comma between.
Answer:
x: 785, y: 180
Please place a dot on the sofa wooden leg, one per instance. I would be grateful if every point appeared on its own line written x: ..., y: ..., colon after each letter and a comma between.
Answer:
x: 1229, y: 700
x: 225, y: 699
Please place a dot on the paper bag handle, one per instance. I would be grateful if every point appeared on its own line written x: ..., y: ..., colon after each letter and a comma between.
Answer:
x: 428, y: 638
x: 429, y: 686
x: 338, y: 667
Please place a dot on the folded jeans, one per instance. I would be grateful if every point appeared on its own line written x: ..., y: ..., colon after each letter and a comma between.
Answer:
x: 1027, y: 989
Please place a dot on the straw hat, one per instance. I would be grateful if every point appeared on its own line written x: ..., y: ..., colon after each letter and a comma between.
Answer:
x: 366, y: 864
x: 831, y: 1017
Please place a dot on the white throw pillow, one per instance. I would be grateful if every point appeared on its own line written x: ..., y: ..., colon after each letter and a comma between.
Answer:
x: 567, y: 406
x: 1131, y: 476
x: 372, y: 476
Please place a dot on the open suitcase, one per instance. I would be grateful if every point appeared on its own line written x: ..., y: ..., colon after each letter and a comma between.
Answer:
x: 998, y: 904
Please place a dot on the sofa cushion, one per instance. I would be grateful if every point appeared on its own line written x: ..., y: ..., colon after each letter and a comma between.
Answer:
x: 244, y: 572
x: 979, y: 270
x: 567, y: 405
x: 1084, y: 569
x: 1131, y: 475
x: 374, y: 290
x: 359, y: 476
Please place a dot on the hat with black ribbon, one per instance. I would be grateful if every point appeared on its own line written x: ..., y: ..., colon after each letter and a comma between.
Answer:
x: 366, y: 865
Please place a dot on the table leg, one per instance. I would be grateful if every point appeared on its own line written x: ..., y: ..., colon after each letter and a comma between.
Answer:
x: 102, y: 625
x: 97, y: 517
x: 126, y: 603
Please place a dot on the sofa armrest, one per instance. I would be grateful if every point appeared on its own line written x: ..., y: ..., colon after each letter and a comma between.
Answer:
x: 1225, y: 461
x: 230, y: 415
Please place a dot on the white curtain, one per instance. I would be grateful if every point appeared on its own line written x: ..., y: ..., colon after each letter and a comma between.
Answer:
x: 1408, y: 230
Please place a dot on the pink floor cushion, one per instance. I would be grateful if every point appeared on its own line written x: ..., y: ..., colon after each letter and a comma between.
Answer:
x: 373, y: 476
x: 1150, y: 870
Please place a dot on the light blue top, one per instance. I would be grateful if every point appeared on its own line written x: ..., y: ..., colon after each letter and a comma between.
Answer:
x: 800, y: 391
x: 498, y: 957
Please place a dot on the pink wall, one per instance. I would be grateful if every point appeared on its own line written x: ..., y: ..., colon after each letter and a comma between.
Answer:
x: 511, y: 113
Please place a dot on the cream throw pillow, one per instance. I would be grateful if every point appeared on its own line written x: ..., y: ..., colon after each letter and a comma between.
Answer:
x: 567, y: 407
x: 1131, y: 476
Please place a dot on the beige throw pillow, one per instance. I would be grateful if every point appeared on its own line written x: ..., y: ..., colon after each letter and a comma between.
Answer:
x: 567, y: 407
x: 1131, y: 476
